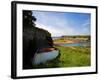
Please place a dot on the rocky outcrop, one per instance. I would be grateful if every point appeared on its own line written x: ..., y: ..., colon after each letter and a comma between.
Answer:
x: 34, y: 39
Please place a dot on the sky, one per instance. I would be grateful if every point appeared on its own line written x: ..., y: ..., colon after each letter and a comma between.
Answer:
x: 63, y: 23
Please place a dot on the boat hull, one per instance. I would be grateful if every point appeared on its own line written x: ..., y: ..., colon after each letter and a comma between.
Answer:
x: 44, y: 56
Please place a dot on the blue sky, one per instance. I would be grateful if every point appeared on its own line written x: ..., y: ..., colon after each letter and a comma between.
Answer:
x: 63, y: 23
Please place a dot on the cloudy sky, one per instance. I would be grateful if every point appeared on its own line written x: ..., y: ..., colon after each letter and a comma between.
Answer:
x: 63, y: 23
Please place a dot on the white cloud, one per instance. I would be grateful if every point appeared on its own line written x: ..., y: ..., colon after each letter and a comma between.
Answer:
x: 57, y: 31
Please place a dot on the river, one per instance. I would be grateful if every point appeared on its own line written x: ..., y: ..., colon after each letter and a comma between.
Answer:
x: 76, y: 44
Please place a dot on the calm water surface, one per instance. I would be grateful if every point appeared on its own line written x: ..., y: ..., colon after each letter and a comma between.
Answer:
x: 77, y: 44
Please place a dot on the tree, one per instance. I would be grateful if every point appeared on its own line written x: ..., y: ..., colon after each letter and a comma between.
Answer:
x: 28, y: 19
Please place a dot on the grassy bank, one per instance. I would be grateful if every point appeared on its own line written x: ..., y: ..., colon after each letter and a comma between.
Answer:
x: 70, y: 57
x: 74, y: 56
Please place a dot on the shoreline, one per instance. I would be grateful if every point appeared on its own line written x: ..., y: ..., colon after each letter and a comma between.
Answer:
x: 67, y: 42
x: 70, y: 42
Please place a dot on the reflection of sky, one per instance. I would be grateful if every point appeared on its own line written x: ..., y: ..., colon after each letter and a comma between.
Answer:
x: 60, y: 23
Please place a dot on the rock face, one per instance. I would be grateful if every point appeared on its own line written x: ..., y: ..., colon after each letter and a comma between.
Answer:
x: 33, y: 39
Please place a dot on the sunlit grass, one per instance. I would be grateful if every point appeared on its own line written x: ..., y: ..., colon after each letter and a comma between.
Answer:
x: 70, y: 57
x: 74, y: 56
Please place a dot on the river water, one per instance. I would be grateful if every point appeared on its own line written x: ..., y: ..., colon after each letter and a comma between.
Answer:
x: 76, y: 44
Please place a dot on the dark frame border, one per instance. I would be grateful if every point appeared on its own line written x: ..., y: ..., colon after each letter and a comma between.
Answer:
x: 14, y: 37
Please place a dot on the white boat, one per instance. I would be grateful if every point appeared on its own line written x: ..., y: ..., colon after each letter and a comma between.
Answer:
x: 44, y: 56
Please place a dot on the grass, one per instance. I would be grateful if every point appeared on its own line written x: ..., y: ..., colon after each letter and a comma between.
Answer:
x: 70, y: 57
x: 74, y: 56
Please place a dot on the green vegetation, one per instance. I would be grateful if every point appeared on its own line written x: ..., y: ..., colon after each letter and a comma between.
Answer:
x: 70, y: 57
x: 77, y: 36
x: 74, y: 56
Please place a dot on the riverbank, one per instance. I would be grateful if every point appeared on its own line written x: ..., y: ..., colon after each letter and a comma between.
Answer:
x: 67, y: 41
x: 71, y: 39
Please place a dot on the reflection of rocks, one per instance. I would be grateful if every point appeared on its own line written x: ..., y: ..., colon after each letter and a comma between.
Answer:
x: 34, y: 40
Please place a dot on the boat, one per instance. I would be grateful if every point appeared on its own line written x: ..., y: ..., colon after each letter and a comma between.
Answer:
x: 44, y: 55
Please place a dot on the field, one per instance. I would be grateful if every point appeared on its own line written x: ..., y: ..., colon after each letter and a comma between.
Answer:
x: 69, y: 57
x: 74, y: 56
